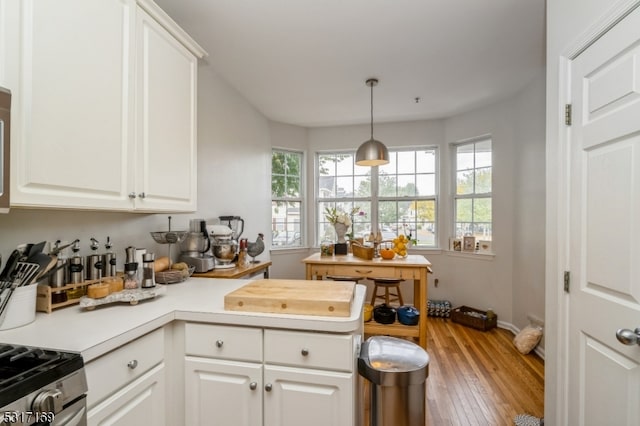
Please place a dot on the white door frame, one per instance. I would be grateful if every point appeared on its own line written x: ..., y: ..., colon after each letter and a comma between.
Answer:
x: 557, y: 230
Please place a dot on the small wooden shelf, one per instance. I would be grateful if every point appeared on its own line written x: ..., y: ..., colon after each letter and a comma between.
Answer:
x: 396, y: 329
x: 45, y: 293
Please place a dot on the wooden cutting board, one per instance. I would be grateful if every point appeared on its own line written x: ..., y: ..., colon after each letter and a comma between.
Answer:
x: 304, y: 297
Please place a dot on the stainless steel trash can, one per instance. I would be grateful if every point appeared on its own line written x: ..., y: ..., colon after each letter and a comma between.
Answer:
x: 397, y: 370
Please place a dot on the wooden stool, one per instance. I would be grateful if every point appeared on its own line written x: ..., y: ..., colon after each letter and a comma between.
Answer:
x: 387, y: 284
x: 344, y: 278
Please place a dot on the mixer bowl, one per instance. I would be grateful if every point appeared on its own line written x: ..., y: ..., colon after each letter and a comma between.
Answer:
x: 224, y: 249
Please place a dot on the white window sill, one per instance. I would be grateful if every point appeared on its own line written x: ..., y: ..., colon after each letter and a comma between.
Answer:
x: 470, y: 254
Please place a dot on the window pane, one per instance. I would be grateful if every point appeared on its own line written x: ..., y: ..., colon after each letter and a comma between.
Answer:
x: 344, y: 165
x: 285, y: 218
x: 483, y: 154
x: 277, y: 186
x: 390, y: 167
x: 426, y: 184
x: 326, y: 165
x: 464, y: 182
x: 426, y: 210
x: 387, y: 186
x: 363, y: 186
x: 464, y: 157
x: 406, y: 185
x: 483, y: 180
x: 406, y: 162
x: 464, y: 210
x: 293, y: 186
x: 425, y: 234
x: 426, y: 162
x: 482, y: 210
x: 345, y: 186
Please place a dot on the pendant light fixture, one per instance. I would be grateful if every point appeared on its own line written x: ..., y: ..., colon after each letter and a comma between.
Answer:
x: 372, y: 152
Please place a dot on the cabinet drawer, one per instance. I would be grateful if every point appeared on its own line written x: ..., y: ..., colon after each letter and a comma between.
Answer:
x: 310, y: 350
x: 221, y: 341
x: 116, y: 369
x: 365, y: 271
x: 407, y: 273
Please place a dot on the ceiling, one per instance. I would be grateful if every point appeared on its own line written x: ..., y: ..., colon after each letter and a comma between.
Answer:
x: 305, y: 62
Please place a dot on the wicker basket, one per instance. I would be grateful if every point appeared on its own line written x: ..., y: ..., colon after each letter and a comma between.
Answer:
x: 362, y: 252
x: 473, y: 318
x: 173, y: 276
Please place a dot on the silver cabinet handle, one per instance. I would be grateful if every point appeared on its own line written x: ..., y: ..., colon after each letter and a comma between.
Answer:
x: 304, y: 351
x: 219, y: 343
x: 132, y: 364
x: 142, y: 195
x: 268, y: 387
x: 629, y: 337
x: 253, y: 386
x: 132, y: 195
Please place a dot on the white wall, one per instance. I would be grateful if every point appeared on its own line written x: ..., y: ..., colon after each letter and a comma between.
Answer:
x: 234, y: 154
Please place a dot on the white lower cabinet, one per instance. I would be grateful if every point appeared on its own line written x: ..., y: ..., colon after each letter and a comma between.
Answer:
x: 298, y: 396
x: 127, y: 386
x: 250, y: 376
x: 220, y: 392
x: 141, y: 402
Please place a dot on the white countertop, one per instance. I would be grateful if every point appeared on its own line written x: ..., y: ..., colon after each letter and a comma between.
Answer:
x: 95, y: 332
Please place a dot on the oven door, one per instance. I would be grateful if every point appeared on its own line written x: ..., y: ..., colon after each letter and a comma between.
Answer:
x: 74, y: 414
x: 5, y: 132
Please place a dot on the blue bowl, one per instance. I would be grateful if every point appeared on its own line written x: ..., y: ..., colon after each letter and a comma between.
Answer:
x: 408, y: 315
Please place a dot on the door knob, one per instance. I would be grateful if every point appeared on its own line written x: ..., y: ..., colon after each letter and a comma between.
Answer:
x: 629, y: 337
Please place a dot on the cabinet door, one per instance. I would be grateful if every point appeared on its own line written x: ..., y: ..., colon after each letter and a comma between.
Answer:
x: 166, y: 121
x: 219, y: 392
x: 297, y: 396
x: 73, y: 103
x: 141, y: 402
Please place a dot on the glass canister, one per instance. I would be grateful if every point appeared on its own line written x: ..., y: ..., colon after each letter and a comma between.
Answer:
x: 131, y: 276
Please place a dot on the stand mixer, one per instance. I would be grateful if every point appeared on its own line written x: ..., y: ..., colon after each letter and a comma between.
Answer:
x: 196, y: 247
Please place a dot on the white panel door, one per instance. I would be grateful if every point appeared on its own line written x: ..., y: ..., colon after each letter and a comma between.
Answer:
x: 604, y: 227
x: 166, y: 119
x: 73, y: 103
x: 219, y: 392
x: 296, y: 396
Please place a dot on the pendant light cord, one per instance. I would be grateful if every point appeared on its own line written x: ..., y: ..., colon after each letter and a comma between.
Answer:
x: 372, y: 111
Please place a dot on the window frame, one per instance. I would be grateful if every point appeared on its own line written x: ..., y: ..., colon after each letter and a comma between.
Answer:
x: 471, y: 195
x: 301, y: 200
x: 374, y: 199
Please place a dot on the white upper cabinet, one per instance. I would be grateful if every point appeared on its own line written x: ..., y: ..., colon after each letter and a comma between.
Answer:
x: 166, y: 177
x: 105, y: 107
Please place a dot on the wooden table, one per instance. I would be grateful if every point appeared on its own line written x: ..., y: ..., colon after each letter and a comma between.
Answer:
x: 237, y: 272
x: 413, y: 267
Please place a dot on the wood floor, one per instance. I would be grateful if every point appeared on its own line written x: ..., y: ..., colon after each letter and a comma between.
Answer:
x: 478, y: 378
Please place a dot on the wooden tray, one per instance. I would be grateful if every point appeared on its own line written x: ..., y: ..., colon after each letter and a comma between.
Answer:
x: 474, y: 318
x: 304, y: 297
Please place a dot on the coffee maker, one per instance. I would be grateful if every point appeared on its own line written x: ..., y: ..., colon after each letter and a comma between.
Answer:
x: 196, y: 247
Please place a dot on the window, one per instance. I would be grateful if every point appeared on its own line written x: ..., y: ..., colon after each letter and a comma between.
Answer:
x: 286, y: 198
x: 473, y: 210
x: 402, y: 194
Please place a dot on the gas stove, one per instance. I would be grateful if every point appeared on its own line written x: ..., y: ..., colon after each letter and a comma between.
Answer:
x: 41, y: 387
